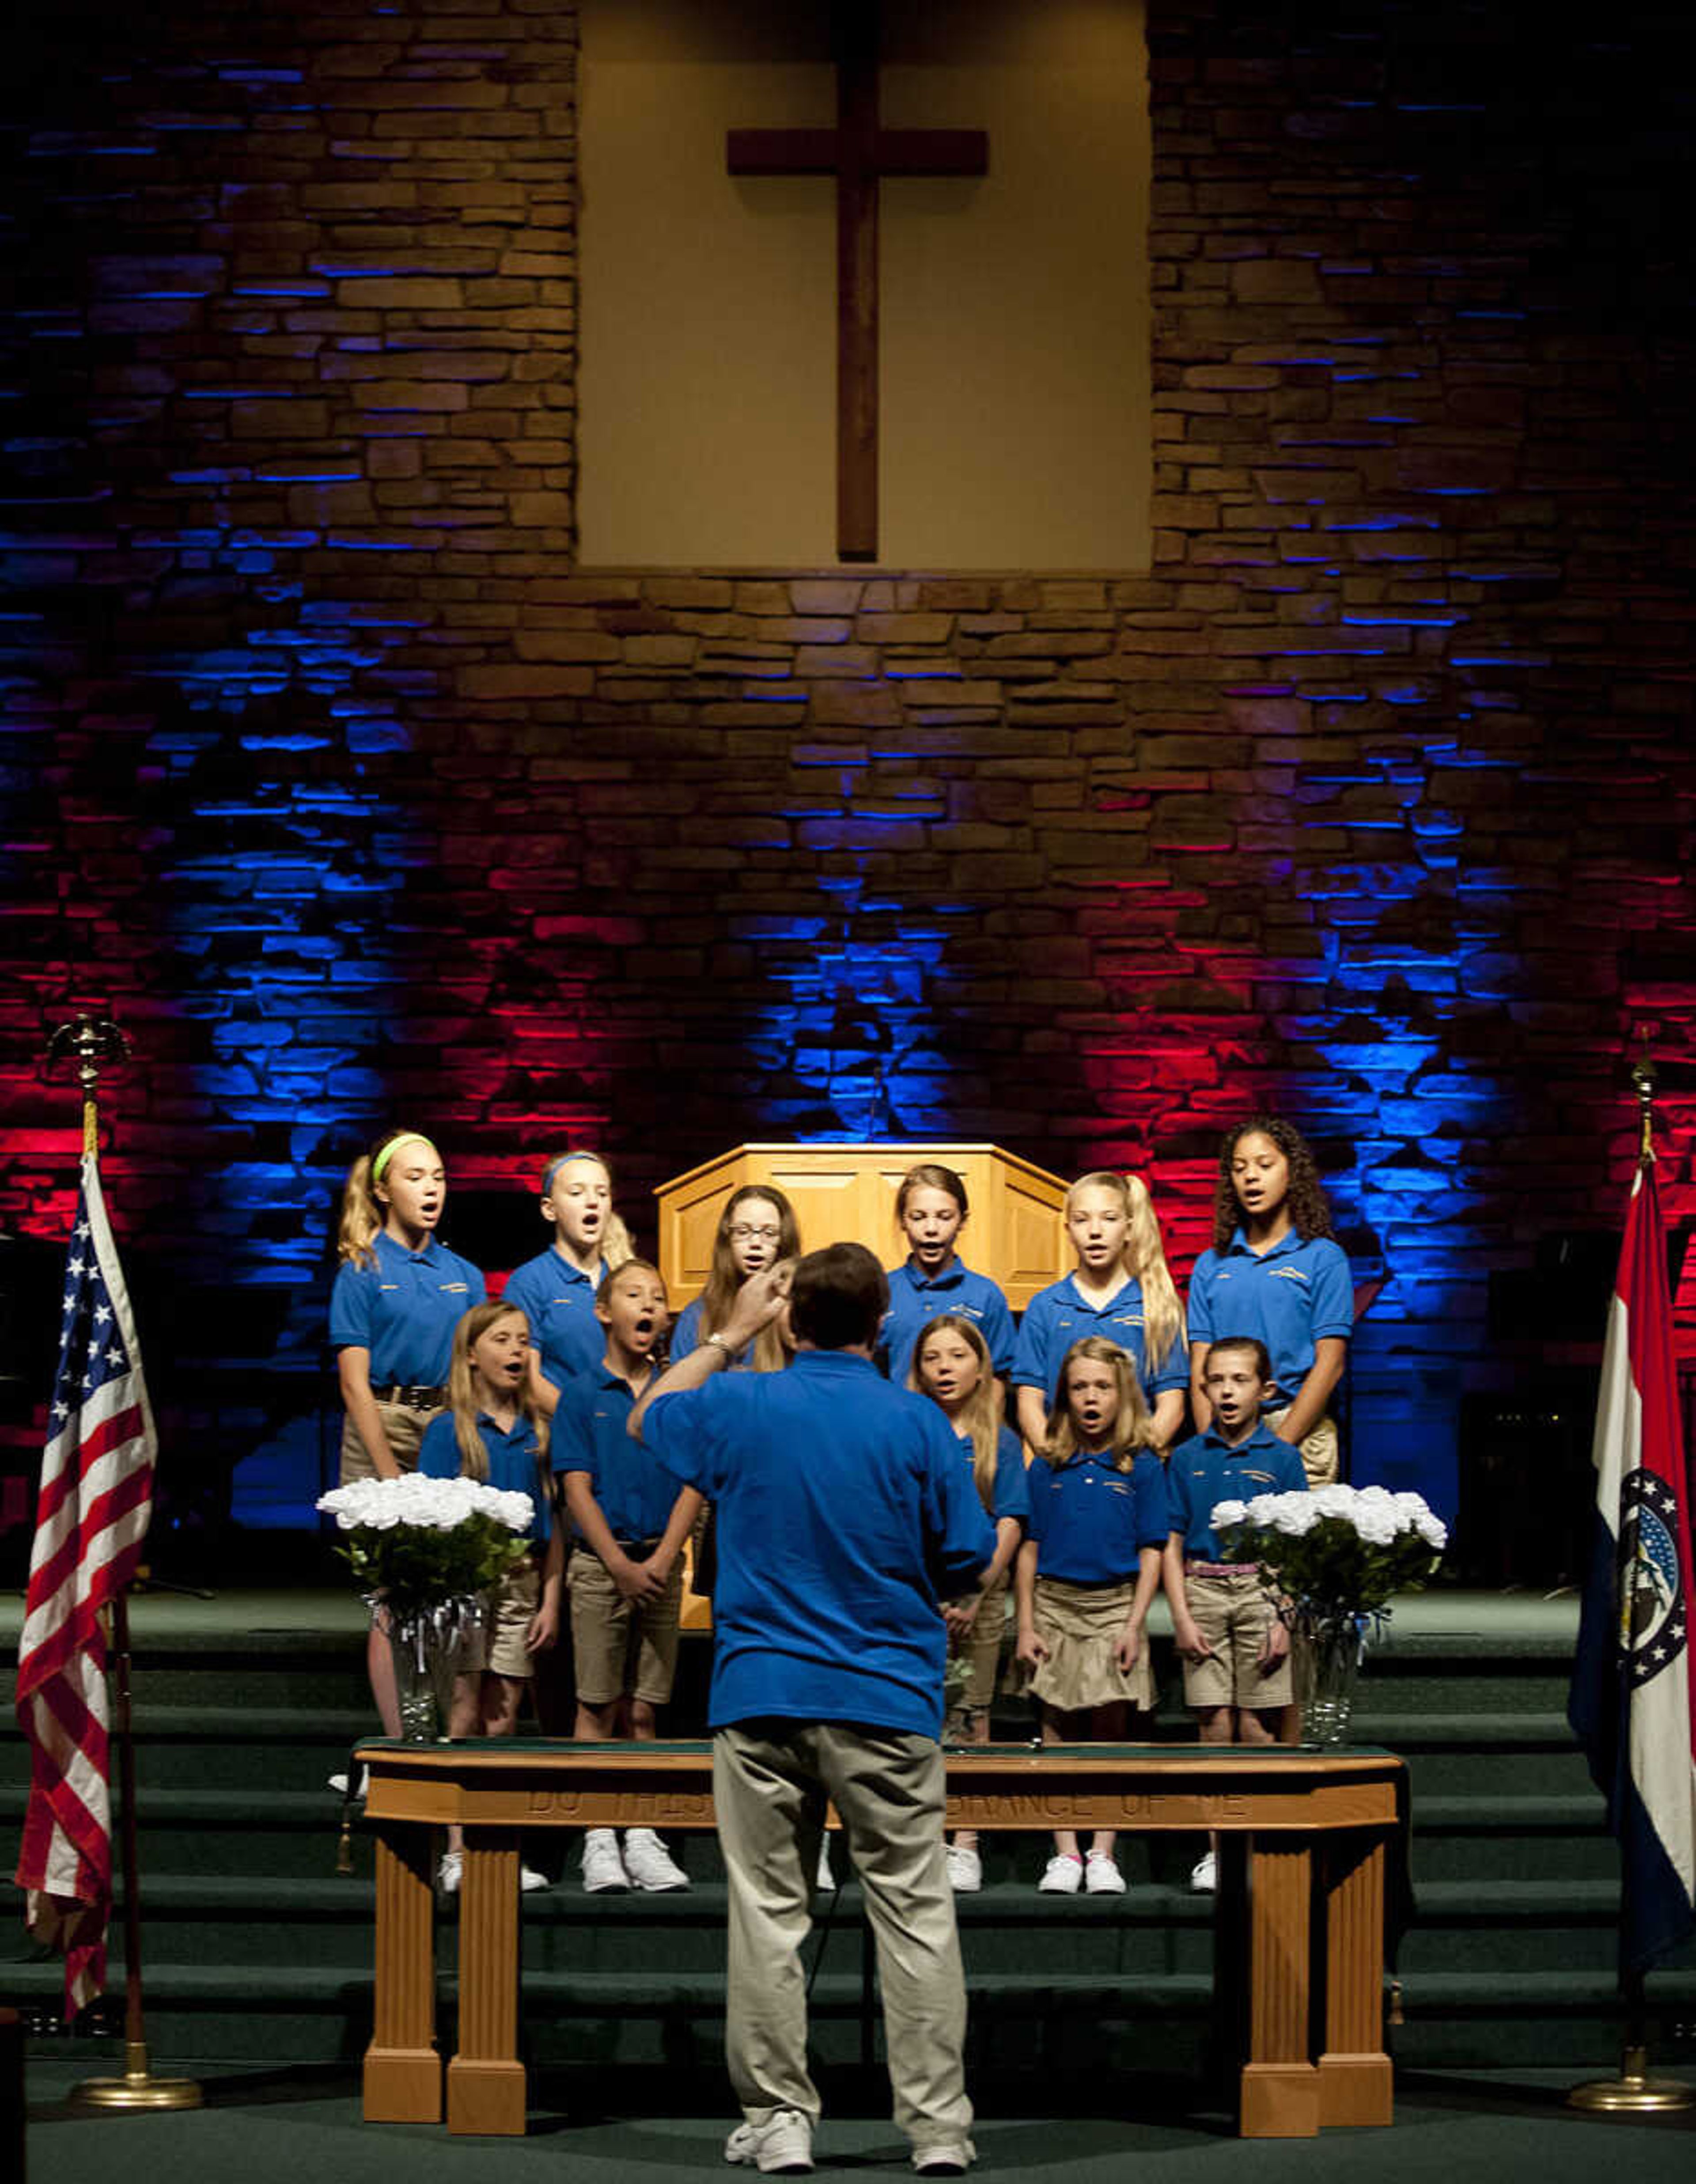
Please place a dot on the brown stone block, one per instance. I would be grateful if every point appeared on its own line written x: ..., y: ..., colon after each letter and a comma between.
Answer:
x: 423, y: 395
x: 672, y: 650
x: 292, y: 420
x: 539, y: 265
x: 904, y: 628
x: 509, y: 681
x: 1183, y: 512
x: 537, y: 509
x: 854, y: 705
x: 686, y: 590
x: 574, y: 645
x: 828, y: 595
x: 402, y: 292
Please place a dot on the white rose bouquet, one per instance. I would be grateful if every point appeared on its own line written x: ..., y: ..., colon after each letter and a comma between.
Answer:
x: 1336, y: 1551
x: 416, y: 1543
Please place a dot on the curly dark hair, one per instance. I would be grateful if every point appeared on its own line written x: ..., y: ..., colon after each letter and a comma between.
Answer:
x: 1309, y: 1208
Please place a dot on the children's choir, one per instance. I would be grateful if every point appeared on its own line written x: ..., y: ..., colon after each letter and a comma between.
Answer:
x: 1098, y: 1499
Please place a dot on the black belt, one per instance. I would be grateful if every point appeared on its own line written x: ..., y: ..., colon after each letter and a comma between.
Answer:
x: 416, y: 1399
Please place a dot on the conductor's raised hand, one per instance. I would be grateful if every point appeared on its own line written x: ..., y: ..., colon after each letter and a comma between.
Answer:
x: 760, y: 1301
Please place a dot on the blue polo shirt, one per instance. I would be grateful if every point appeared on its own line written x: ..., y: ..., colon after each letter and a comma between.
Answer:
x: 1058, y: 1317
x: 404, y: 1309
x: 559, y: 1301
x: 844, y: 1513
x: 1286, y: 1297
x: 1205, y: 1471
x: 591, y: 1434
x: 1012, y: 1495
x: 513, y: 1466
x: 1090, y: 1521
x: 915, y: 1300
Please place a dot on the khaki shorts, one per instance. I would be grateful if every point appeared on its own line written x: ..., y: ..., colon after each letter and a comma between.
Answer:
x: 982, y: 1653
x: 623, y: 1647
x: 403, y: 1430
x: 1320, y: 1458
x: 498, y: 1644
x: 1079, y: 1624
x: 1233, y: 1614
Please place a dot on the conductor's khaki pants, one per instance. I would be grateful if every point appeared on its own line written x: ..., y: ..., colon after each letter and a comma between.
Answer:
x: 770, y: 1782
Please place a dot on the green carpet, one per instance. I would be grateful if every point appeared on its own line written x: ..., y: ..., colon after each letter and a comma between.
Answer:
x: 277, y: 2129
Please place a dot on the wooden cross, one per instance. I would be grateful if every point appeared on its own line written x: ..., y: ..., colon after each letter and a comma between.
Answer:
x: 858, y: 151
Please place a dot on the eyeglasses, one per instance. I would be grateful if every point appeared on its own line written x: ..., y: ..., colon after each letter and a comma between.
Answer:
x: 744, y: 1231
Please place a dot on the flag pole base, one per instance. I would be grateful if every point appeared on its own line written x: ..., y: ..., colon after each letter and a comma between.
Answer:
x: 138, y: 2091
x: 1633, y: 2092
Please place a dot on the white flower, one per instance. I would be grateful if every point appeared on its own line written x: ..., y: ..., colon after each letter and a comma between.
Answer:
x: 1376, y: 1526
x: 1295, y: 1516
x: 1228, y: 1512
x: 1261, y: 1508
x: 1432, y: 1530
x: 1335, y: 1501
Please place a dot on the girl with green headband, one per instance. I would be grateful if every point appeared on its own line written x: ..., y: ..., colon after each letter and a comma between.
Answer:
x: 398, y: 1296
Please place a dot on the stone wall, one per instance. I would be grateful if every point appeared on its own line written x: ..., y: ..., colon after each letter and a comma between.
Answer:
x: 331, y: 773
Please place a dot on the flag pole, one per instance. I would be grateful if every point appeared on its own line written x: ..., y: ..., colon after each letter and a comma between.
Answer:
x: 94, y: 1043
x: 1634, y: 2092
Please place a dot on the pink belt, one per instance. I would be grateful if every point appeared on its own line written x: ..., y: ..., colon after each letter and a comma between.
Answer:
x: 1192, y: 1569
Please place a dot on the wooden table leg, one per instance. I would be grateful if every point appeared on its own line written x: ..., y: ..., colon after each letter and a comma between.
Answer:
x: 1356, y: 2085
x: 1279, y: 2085
x: 403, y: 2080
x: 485, y: 2081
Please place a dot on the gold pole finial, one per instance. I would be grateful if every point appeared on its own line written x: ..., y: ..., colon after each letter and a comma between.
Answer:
x: 1643, y: 1078
x: 93, y: 1043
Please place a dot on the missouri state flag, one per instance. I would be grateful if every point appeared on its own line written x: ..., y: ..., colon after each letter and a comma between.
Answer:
x: 1631, y: 1696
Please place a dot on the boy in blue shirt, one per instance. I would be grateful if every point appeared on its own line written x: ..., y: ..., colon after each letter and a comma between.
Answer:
x: 1234, y: 1645
x: 843, y: 1513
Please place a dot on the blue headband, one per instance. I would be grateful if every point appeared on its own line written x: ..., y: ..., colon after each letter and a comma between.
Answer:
x: 553, y: 1168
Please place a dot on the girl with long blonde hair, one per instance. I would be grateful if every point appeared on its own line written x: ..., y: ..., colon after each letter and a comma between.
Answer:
x: 1087, y: 1574
x: 1123, y: 1288
x: 494, y: 1430
x: 953, y: 1366
x: 398, y: 1295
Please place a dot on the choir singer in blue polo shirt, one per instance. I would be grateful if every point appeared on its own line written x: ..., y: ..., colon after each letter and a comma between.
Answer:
x: 844, y: 1515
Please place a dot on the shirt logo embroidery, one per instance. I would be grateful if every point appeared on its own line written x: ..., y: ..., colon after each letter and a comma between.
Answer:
x: 1287, y: 1274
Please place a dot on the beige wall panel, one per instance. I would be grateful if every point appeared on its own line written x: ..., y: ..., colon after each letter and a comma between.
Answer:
x: 1014, y: 308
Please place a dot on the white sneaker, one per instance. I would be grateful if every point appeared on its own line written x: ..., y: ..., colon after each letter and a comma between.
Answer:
x: 825, y: 1878
x: 529, y: 1880
x: 1205, y: 1875
x: 966, y: 1869
x: 948, y: 2157
x: 1063, y: 1875
x: 449, y: 1872
x: 603, y: 1867
x: 649, y: 1865
x: 338, y: 1783
x: 1101, y: 1875
x: 782, y: 2145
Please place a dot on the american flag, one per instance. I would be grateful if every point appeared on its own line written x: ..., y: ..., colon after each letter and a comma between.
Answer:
x: 97, y: 1490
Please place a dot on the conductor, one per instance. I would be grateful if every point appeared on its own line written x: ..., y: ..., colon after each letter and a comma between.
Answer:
x: 844, y: 1513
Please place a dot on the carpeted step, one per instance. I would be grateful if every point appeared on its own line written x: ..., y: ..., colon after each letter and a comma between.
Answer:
x: 1531, y: 2020
x: 1486, y: 1836
x: 205, y: 1832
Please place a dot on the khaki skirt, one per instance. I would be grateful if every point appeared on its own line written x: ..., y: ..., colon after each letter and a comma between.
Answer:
x: 1079, y: 1625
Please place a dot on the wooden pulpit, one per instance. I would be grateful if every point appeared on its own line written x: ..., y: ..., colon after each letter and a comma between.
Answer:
x: 846, y: 1193
x: 1015, y: 1233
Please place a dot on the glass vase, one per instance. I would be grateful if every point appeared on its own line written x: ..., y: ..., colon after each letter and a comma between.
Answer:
x: 1331, y: 1648
x: 425, y: 1646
